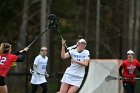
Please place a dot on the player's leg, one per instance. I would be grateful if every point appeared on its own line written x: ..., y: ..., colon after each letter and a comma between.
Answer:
x: 127, y: 88
x: 44, y: 87
x: 64, y: 87
x: 75, y: 82
x: 3, y: 89
x: 73, y: 89
x: 3, y: 86
x: 34, y: 88
x: 132, y: 88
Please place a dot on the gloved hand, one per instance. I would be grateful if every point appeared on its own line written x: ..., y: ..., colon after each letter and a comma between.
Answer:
x: 120, y: 78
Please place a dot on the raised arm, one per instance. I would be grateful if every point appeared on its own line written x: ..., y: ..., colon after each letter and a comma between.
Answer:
x: 23, y: 55
x: 64, y: 54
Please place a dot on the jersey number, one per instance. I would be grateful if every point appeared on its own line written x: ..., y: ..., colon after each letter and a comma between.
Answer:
x: 2, y: 60
x: 131, y: 71
x: 43, y: 67
x: 78, y: 60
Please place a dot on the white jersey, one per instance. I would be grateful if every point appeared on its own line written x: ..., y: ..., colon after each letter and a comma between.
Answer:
x: 76, y: 69
x: 41, y: 69
x: 72, y: 47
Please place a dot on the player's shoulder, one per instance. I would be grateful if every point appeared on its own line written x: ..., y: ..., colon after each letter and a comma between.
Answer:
x: 38, y: 56
x: 86, y: 51
x: 72, y: 51
x: 46, y: 57
x: 135, y: 60
x: 125, y: 61
x: 10, y: 55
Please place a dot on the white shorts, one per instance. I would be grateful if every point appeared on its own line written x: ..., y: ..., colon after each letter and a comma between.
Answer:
x: 38, y: 79
x: 72, y: 80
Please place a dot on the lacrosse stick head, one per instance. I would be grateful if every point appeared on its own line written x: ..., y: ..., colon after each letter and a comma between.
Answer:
x: 31, y: 71
x: 53, y: 21
x: 109, y: 78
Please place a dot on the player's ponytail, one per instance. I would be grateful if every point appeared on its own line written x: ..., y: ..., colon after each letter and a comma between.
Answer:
x: 5, y: 48
x: 1, y: 48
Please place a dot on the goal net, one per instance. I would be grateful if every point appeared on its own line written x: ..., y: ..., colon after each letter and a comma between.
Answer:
x: 98, y: 71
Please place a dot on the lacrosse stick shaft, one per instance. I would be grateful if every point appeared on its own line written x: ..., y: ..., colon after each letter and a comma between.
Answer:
x: 65, y: 43
x: 62, y: 37
x: 109, y: 78
x: 33, y: 71
x: 37, y: 38
x: 129, y: 78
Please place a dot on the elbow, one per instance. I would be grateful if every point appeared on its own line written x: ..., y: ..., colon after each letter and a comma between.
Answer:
x: 63, y: 57
x: 86, y: 65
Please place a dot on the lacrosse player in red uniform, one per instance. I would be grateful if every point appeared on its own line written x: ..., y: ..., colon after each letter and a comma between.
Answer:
x: 6, y: 60
x: 129, y: 67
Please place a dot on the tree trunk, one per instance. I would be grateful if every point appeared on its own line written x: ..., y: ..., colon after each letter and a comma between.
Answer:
x: 137, y: 24
x: 124, y: 32
x: 97, y: 28
x: 22, y: 44
x: 87, y: 20
x: 23, y: 32
x: 43, y: 22
x: 131, y: 24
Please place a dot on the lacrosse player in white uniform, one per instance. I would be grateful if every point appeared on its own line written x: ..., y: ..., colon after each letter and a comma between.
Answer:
x: 74, y: 74
x: 39, y: 72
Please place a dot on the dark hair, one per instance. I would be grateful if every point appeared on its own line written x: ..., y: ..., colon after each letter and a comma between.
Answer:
x: 80, y: 37
x: 4, y: 48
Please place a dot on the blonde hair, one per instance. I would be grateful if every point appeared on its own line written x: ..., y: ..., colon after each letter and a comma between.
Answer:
x: 5, y: 47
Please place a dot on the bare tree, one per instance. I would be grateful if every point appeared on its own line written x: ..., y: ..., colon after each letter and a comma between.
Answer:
x: 43, y: 22
x: 137, y: 25
x: 23, y: 29
x: 131, y: 24
x: 23, y: 32
x: 45, y: 39
x: 22, y: 42
x: 87, y: 19
x: 45, y: 10
x: 97, y: 28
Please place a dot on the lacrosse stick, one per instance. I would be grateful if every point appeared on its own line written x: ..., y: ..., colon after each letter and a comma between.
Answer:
x: 33, y: 72
x: 109, y: 78
x: 53, y: 21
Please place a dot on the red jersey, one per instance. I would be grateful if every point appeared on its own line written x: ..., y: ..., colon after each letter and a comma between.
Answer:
x: 129, y: 70
x: 6, y: 61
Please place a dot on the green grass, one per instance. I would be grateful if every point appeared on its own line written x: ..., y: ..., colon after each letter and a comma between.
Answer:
x: 137, y: 87
x: 53, y: 86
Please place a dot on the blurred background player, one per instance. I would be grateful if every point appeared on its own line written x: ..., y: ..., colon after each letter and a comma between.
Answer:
x: 40, y: 73
x: 74, y: 74
x: 129, y: 67
x: 6, y: 60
